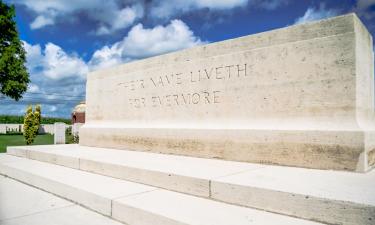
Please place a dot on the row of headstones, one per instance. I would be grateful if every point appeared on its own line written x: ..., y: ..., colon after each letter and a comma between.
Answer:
x: 59, y: 132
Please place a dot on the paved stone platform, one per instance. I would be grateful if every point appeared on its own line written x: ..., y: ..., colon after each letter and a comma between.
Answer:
x: 21, y: 204
x: 327, y: 196
x: 132, y: 203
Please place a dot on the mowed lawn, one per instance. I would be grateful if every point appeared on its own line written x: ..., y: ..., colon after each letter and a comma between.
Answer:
x: 16, y: 140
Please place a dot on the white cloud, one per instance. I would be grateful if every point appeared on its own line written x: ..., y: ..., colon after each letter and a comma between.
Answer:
x: 109, y: 15
x: 269, y: 4
x: 312, y: 14
x: 57, y: 81
x: 121, y: 19
x: 363, y: 8
x: 41, y: 21
x: 168, y: 8
x: 34, y: 55
x: 33, y: 87
x: 53, y: 62
x: 52, y: 108
x: 144, y: 42
x: 58, y: 77
x: 106, y: 57
x: 114, y: 15
x: 59, y: 64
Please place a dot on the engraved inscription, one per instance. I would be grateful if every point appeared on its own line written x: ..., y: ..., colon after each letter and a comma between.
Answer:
x: 221, y: 73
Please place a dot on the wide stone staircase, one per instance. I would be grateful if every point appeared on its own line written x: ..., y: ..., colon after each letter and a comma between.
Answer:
x: 142, y: 188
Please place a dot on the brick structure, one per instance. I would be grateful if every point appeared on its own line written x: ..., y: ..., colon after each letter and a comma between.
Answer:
x: 78, y: 114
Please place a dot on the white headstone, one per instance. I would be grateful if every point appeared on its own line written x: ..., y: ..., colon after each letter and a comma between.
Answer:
x: 3, y: 128
x: 59, y: 131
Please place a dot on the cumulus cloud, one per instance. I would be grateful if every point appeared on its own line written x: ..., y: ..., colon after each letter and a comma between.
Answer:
x: 121, y: 19
x: 110, y: 16
x: 366, y: 8
x: 312, y: 14
x: 33, y: 88
x: 168, y: 8
x: 57, y: 81
x: 114, y: 15
x: 145, y: 42
x: 53, y: 62
x: 58, y: 77
x: 41, y: 21
x: 58, y: 64
x: 269, y: 4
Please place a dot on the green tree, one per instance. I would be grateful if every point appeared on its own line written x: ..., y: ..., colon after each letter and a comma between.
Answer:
x: 38, y: 110
x: 31, y: 123
x: 14, y: 77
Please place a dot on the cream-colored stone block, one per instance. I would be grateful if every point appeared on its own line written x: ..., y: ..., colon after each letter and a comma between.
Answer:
x: 177, y: 173
x: 299, y: 96
x: 50, y: 157
x: 331, y: 197
x: 162, y: 207
x: 45, y: 153
x: 93, y: 191
x: 185, y: 184
x: 17, y: 151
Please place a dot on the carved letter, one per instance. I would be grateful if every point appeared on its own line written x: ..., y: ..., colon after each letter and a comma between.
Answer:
x: 218, y: 73
x: 216, y: 97
x: 196, y: 99
x: 240, y: 70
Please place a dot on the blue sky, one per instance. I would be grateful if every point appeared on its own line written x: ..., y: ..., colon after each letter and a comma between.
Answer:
x: 66, y: 39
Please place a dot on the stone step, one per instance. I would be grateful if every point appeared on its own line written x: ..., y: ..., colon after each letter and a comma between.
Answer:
x: 132, y: 203
x: 319, y: 195
x: 22, y: 204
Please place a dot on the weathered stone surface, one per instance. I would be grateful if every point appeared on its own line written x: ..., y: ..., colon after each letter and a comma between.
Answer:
x: 332, y: 197
x: 299, y: 96
x: 128, y: 202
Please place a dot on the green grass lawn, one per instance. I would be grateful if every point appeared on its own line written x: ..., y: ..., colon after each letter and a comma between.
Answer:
x: 16, y: 140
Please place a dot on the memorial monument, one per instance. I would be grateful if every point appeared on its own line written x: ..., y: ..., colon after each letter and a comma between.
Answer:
x: 299, y: 96
x: 289, y: 113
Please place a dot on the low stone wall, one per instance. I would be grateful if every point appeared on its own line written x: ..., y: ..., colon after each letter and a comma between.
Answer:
x: 46, y: 128
x: 43, y: 129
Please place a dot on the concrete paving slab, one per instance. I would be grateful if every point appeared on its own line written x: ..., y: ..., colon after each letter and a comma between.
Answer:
x: 4, y: 157
x: 171, y: 208
x: 17, y: 199
x: 72, y: 215
x: 22, y: 204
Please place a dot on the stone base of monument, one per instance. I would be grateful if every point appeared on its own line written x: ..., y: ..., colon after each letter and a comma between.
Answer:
x: 351, y: 150
x: 149, y: 188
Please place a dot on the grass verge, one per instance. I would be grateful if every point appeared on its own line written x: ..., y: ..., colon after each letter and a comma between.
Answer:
x: 18, y: 140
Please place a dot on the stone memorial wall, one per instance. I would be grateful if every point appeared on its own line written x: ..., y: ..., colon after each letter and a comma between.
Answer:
x: 298, y: 96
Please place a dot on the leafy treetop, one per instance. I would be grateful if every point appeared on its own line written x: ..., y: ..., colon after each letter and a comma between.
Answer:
x: 14, y: 77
